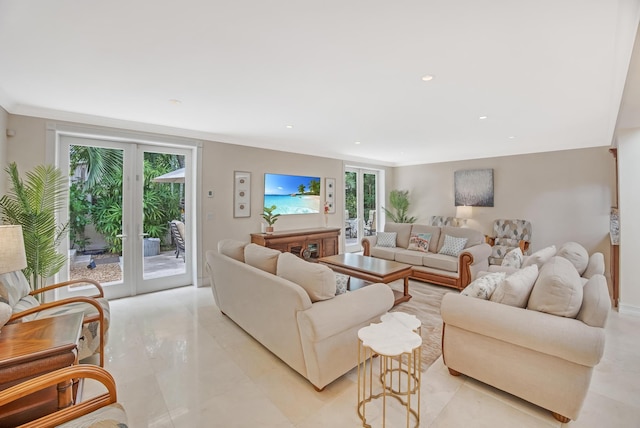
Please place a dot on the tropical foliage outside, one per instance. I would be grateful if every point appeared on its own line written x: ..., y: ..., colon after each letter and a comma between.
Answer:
x: 351, y: 191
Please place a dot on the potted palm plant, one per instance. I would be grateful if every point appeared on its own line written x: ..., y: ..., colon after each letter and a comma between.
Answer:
x: 399, y: 200
x: 270, y: 217
x: 33, y: 205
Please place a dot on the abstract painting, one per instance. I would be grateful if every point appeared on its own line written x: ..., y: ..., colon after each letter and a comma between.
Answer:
x: 473, y: 187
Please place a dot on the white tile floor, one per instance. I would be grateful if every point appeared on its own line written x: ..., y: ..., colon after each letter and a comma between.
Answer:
x: 178, y: 362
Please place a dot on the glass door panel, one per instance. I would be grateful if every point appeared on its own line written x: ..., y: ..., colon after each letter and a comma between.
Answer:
x: 361, y: 209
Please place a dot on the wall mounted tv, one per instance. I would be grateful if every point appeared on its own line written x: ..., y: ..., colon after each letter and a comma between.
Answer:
x: 292, y: 194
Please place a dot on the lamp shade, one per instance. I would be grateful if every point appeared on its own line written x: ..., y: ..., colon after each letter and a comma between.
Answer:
x: 12, y: 255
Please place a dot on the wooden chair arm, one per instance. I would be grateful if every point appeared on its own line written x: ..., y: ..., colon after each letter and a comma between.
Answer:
x: 524, y: 246
x: 87, y: 319
x: 71, y: 282
x: 61, y: 375
x: 490, y: 240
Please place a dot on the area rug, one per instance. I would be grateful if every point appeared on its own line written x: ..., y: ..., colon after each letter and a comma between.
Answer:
x: 425, y: 305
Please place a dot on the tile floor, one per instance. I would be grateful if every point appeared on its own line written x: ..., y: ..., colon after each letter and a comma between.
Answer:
x: 178, y: 362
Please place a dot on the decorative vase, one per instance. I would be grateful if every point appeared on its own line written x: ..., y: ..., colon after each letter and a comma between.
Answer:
x: 269, y: 229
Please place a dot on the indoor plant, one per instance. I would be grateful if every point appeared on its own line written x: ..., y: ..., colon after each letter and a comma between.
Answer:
x: 270, y: 217
x: 399, y: 200
x: 33, y: 205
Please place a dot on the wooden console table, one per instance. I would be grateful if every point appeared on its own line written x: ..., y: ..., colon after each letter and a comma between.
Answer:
x: 306, y: 243
x: 29, y: 349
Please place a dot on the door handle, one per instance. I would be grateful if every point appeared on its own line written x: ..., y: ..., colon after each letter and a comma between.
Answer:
x: 123, y: 236
x: 142, y: 235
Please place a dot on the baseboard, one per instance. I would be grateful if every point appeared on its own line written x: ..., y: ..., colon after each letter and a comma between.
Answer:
x: 628, y: 309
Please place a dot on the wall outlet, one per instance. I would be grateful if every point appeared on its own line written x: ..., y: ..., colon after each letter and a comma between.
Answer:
x: 210, y: 194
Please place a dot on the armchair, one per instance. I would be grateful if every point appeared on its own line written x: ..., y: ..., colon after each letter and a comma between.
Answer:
x: 177, y: 234
x: 508, y: 234
x: 102, y: 410
x: 439, y: 221
x: 370, y: 226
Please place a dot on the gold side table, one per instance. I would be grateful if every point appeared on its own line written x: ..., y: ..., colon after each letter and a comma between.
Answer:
x: 399, y: 349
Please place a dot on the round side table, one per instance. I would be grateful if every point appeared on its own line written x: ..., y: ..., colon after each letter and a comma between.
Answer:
x: 399, y: 349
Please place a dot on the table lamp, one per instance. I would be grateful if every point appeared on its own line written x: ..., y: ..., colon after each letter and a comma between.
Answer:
x: 12, y: 255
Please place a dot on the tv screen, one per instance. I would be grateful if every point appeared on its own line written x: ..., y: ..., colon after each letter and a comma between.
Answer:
x: 292, y: 194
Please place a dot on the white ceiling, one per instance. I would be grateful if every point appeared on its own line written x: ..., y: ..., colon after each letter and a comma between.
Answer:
x: 548, y: 74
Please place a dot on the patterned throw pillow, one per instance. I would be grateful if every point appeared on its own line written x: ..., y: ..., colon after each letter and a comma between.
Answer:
x: 452, y: 246
x: 386, y: 239
x: 483, y: 287
x: 513, y: 258
x: 419, y: 242
x: 341, y: 283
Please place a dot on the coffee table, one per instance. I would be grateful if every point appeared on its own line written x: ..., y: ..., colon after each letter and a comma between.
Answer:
x: 371, y: 269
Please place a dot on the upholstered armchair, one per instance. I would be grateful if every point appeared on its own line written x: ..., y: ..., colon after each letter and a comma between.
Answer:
x: 439, y: 221
x: 508, y: 234
x: 100, y: 411
x: 25, y: 307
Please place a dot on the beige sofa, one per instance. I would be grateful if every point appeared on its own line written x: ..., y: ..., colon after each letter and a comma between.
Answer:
x: 289, y: 306
x: 431, y: 266
x: 543, y: 352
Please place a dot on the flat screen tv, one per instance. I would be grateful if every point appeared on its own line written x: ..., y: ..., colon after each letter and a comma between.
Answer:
x: 292, y: 194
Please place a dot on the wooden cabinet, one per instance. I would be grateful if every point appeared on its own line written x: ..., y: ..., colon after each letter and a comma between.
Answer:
x: 307, y: 243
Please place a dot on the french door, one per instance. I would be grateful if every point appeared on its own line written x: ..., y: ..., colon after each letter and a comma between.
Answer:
x: 123, y: 198
x: 361, y: 206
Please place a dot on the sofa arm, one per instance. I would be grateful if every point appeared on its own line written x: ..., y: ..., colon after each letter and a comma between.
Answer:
x: 330, y: 317
x: 565, y: 338
x: 480, y: 253
x: 367, y: 243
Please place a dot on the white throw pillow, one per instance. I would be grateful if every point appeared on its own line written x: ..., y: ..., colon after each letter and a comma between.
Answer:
x: 516, y: 288
x: 540, y: 257
x: 318, y: 280
x: 576, y: 254
x: 232, y: 248
x: 386, y: 239
x: 513, y: 258
x: 452, y: 246
x: 558, y: 289
x: 419, y: 242
x: 261, y: 257
x: 483, y: 287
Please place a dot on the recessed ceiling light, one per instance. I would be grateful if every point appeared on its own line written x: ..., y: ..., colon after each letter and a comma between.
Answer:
x: 289, y: 126
x: 427, y: 77
x: 175, y: 102
x: 482, y: 117
x: 357, y: 142
x: 511, y: 137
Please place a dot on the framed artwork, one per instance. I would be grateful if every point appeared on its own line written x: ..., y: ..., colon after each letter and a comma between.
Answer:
x: 473, y: 187
x: 241, y: 194
x: 330, y: 194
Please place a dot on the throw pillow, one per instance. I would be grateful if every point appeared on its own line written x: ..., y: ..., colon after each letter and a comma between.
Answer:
x: 261, y: 257
x: 419, y: 242
x: 576, y: 254
x: 232, y: 248
x: 513, y: 258
x: 516, y: 288
x: 558, y: 289
x: 341, y: 283
x: 452, y: 246
x: 318, y: 280
x: 5, y: 313
x: 386, y: 239
x: 483, y: 287
x: 540, y: 257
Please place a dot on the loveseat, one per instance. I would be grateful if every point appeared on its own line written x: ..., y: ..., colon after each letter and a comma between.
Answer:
x: 538, y: 336
x: 290, y: 306
x: 454, y: 269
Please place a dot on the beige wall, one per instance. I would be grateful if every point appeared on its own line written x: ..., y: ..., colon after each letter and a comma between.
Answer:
x: 4, y: 123
x: 629, y: 178
x: 566, y: 195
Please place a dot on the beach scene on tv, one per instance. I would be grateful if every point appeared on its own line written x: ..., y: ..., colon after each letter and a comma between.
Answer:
x: 292, y: 194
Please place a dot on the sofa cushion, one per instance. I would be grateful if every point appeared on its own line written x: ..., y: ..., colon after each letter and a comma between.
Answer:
x: 318, y: 280
x: 576, y: 254
x: 16, y: 286
x: 558, y: 289
x: 440, y: 261
x: 596, y: 302
x: 452, y: 246
x: 483, y: 287
x: 232, y: 248
x: 403, y: 231
x: 540, y: 257
x: 260, y: 257
x: 384, y: 252
x: 516, y: 288
x: 595, y: 266
x: 513, y: 258
x: 387, y: 239
x: 433, y: 230
x: 409, y: 256
x: 419, y: 242
x: 473, y: 236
